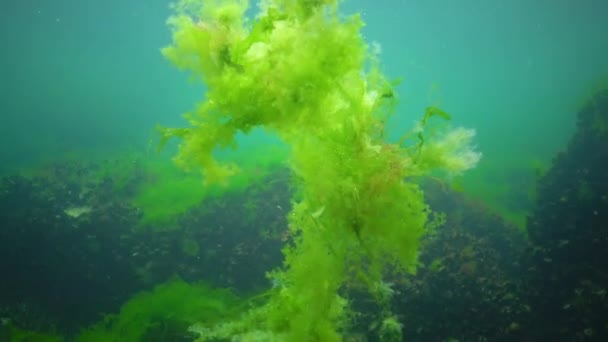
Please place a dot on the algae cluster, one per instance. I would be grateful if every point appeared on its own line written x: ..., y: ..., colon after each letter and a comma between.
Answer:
x: 303, y: 72
x: 172, y: 303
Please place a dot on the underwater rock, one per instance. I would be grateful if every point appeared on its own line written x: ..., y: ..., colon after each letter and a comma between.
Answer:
x: 468, y: 286
x: 568, y: 229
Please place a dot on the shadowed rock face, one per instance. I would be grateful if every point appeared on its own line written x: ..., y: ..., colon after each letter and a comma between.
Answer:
x: 468, y: 288
x: 62, y: 252
x: 567, y: 264
x: 71, y: 248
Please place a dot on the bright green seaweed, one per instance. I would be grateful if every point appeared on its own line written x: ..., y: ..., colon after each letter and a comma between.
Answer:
x: 175, y: 301
x: 303, y: 72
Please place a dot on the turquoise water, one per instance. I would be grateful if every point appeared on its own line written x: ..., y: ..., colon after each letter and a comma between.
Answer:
x: 89, y: 75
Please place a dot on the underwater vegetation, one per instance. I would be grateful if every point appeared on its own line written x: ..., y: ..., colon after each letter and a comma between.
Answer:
x: 478, y: 278
x: 302, y: 71
x: 132, y: 249
x: 468, y: 285
x: 507, y: 187
x: 164, y: 313
x: 168, y: 193
x: 11, y: 333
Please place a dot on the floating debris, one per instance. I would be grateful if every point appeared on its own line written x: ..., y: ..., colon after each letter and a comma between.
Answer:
x: 76, y: 212
x: 319, y: 212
